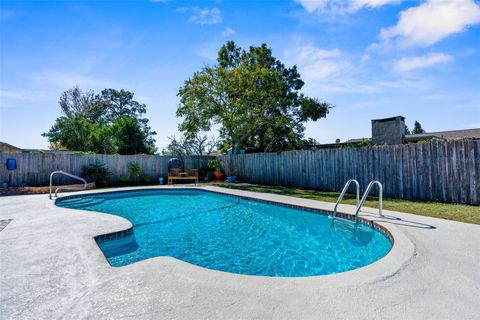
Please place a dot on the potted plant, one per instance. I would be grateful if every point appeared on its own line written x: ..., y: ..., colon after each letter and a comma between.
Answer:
x: 232, y: 178
x: 216, y: 165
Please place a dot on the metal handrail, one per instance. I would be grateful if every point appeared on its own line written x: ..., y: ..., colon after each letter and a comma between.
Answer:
x: 65, y: 188
x: 365, y: 195
x: 345, y: 188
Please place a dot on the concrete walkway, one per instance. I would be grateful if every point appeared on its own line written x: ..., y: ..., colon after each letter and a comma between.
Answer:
x: 50, y: 268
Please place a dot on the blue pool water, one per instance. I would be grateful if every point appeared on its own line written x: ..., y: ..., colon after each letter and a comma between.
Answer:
x: 231, y: 234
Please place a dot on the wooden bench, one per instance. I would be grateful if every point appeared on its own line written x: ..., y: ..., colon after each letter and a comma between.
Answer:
x: 176, y: 174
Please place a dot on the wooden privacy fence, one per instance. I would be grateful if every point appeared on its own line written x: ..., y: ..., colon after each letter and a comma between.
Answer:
x: 437, y: 171
x: 34, y: 169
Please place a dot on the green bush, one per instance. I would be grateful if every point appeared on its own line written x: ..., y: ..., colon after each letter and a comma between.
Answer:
x: 97, y: 172
x: 145, y: 178
x: 366, y: 143
x: 215, y: 164
x: 134, y: 170
x: 124, y: 180
x: 205, y: 173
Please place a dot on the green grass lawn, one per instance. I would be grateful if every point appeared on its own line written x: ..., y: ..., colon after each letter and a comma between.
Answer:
x: 462, y: 213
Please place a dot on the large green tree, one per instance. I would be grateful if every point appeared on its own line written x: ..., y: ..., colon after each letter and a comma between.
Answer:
x: 252, y: 97
x: 130, y: 137
x: 109, y: 122
x: 80, y: 134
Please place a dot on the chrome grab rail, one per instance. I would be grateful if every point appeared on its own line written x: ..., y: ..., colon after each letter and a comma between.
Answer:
x: 365, y: 195
x: 345, y: 188
x: 65, y: 188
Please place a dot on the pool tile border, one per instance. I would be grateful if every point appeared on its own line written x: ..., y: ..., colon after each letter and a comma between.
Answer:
x: 114, y: 235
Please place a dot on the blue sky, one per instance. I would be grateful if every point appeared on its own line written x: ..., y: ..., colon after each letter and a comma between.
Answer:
x: 370, y: 58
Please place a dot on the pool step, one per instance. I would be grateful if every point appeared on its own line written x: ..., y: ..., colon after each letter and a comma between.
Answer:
x: 81, y: 202
x: 342, y: 224
x: 118, y: 247
x: 338, y: 219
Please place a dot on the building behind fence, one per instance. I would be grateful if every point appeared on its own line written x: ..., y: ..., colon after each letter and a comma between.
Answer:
x: 436, y: 171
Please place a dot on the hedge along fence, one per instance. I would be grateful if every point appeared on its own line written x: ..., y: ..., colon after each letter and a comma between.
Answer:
x: 437, y: 171
x: 34, y: 169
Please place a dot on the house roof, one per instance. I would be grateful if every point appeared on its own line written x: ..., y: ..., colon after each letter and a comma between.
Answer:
x: 4, y: 145
x: 355, y: 140
x: 442, y: 135
x: 344, y: 143
x: 445, y: 135
x: 49, y: 151
x: 8, y: 145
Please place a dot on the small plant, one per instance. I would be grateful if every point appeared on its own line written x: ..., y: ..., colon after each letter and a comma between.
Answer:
x: 205, y: 173
x: 134, y: 170
x: 97, y: 172
x: 216, y: 165
x: 424, y: 141
x: 366, y: 143
x: 124, y: 180
x: 145, y: 178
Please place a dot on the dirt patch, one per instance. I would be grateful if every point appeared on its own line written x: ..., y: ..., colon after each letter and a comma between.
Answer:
x: 40, y: 190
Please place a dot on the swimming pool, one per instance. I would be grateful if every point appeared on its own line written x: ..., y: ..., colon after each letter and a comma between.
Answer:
x: 229, y: 233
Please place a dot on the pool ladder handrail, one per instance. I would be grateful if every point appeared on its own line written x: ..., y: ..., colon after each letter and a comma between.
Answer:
x: 365, y: 196
x: 65, y: 188
x: 340, y: 198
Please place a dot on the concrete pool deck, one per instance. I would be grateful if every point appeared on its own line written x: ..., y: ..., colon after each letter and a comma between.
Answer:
x: 51, y: 267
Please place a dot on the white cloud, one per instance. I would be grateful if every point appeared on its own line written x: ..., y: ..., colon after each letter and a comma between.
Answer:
x: 206, y: 16
x: 228, y: 32
x: 67, y: 79
x: 431, y: 22
x: 331, y: 72
x: 207, y: 50
x: 343, y: 6
x: 365, y: 57
x: 418, y: 62
x: 315, y: 63
x: 358, y: 4
x: 312, y: 6
x: 7, y: 97
x: 325, y: 71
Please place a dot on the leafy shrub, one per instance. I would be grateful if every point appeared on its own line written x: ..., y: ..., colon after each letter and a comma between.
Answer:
x: 134, y: 170
x: 366, y: 143
x: 97, y: 172
x: 145, y: 178
x: 215, y: 164
x: 205, y: 173
x: 124, y: 179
